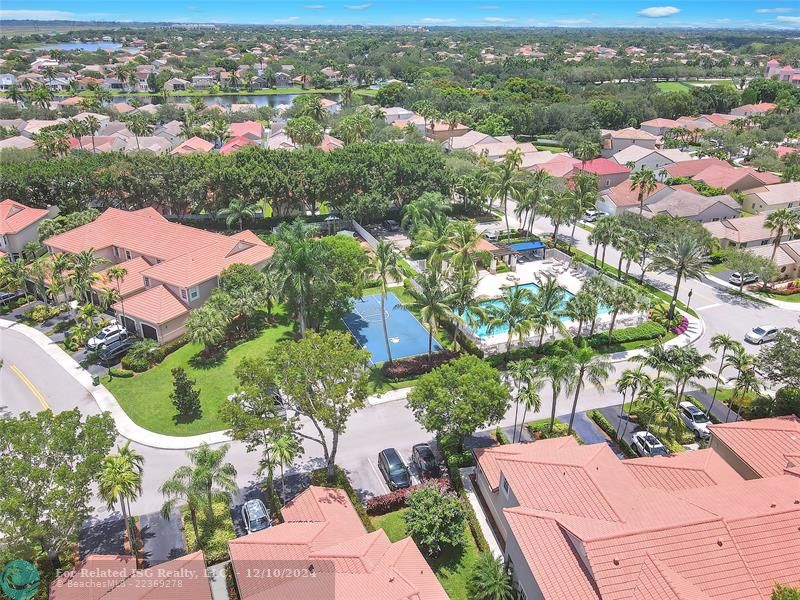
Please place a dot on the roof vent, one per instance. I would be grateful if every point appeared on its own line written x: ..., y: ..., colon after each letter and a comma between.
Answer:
x: 311, y: 569
x: 797, y: 501
x: 719, y: 543
x: 773, y: 505
x: 616, y: 561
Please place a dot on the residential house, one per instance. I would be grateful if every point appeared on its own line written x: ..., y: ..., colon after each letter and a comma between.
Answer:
x: 770, y: 198
x: 249, y: 129
x: 194, y: 145
x: 645, y: 158
x: 396, y: 113
x: 103, y: 120
x: 496, y: 150
x: 19, y: 224
x: 278, y: 140
x: 323, y: 536
x: 786, y: 258
x: 753, y: 110
x: 184, y: 264
x: 577, y: 523
x: 149, y: 143
x: 788, y: 73
x: 113, y: 84
x: 6, y: 81
x: 97, y: 143
x: 759, y: 448
x: 659, y: 126
x: 34, y: 126
x: 176, y: 84
x: 440, y: 131
x: 608, y: 172
x: 736, y: 179
x: 622, y: 197
x: 713, y: 120
x: 203, y: 82
x: 115, y: 577
x: 743, y: 232
x: 331, y: 106
x: 693, y: 206
x: 17, y: 142
x: 466, y: 141
x: 282, y: 80
x: 560, y: 166
x: 237, y: 143
x: 170, y: 131
x: 623, y: 138
x: 332, y: 74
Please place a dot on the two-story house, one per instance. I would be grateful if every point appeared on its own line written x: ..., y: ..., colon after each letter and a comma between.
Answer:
x: 171, y: 268
x: 19, y: 224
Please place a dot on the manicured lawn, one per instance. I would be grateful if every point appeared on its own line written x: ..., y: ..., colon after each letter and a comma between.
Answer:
x: 792, y: 298
x: 671, y: 86
x: 702, y: 82
x: 145, y: 397
x: 214, y: 533
x: 452, y: 568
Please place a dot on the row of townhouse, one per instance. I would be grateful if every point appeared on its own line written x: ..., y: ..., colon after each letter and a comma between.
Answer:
x: 576, y: 522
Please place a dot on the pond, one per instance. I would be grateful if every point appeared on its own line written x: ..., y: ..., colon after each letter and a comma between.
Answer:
x: 86, y: 47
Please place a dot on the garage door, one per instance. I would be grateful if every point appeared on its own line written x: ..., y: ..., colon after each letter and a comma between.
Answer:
x: 130, y: 325
x: 148, y: 331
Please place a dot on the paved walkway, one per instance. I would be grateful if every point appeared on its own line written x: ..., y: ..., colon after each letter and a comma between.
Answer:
x: 480, y: 515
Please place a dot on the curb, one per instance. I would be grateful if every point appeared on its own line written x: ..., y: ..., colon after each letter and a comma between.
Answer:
x: 107, y: 403
x: 792, y: 306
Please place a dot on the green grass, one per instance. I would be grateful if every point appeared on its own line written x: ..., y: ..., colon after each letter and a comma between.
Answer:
x: 792, y: 298
x: 378, y: 384
x: 214, y: 533
x: 554, y: 149
x: 145, y: 397
x: 671, y: 86
x: 702, y: 82
x: 452, y: 568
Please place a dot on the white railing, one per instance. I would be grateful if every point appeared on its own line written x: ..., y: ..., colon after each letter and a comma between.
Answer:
x: 368, y: 237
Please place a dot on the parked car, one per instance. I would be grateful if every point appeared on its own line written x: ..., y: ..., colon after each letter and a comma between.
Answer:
x: 111, y: 353
x: 695, y: 420
x: 425, y: 461
x: 491, y: 236
x: 645, y: 443
x: 7, y: 297
x: 393, y: 469
x: 391, y: 225
x: 591, y: 215
x: 255, y: 516
x: 761, y: 334
x: 737, y: 278
x: 107, y: 335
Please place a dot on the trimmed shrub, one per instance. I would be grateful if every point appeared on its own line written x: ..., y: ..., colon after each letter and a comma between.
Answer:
x: 142, y: 356
x: 611, y: 431
x: 121, y: 373
x: 540, y: 430
x: 413, y: 366
x: 640, y: 333
x: 174, y: 345
x: 787, y: 401
x: 380, y: 505
x: 41, y: 313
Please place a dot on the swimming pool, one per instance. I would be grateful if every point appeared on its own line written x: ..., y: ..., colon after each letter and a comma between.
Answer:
x: 482, y: 331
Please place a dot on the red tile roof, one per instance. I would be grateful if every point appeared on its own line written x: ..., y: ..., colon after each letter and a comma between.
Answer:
x: 236, y: 143
x: 624, y: 195
x: 660, y: 122
x: 250, y: 129
x: 155, y: 305
x: 558, y: 166
x: 702, y: 468
x: 601, y: 166
x: 726, y: 176
x: 763, y: 444
x: 631, y: 133
x: 690, y: 168
x: 102, y: 577
x: 192, y: 146
x: 131, y: 283
x: 14, y: 216
x: 321, y: 529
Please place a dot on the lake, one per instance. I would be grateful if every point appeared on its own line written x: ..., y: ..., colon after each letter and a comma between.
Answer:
x: 86, y: 47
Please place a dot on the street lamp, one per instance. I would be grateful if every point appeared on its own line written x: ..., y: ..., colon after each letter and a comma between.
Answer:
x: 689, y: 300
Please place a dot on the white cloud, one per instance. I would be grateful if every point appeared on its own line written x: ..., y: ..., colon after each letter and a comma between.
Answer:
x: 497, y: 20
x: 285, y: 20
x: 314, y: 6
x: 357, y: 6
x: 658, y: 12
x: 768, y: 11
x: 573, y: 22
x: 789, y: 20
x: 36, y: 15
x: 437, y: 21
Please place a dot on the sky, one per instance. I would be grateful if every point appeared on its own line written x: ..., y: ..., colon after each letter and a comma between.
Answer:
x: 780, y: 14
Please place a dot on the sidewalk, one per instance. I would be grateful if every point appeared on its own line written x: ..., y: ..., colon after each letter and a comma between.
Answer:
x: 793, y: 306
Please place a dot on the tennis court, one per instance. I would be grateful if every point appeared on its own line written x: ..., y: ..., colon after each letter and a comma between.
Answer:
x: 407, y: 336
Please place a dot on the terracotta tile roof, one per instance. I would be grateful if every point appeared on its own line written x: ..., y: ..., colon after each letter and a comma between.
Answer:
x: 132, y: 282
x: 702, y: 468
x: 601, y: 166
x: 251, y: 129
x: 660, y: 122
x: 488, y: 458
x: 657, y: 580
x: 193, y: 145
x: 155, y: 305
x: 690, y: 204
x: 781, y: 193
x: 559, y: 166
x: 631, y: 133
x: 690, y: 168
x: 558, y: 571
x: 741, y: 230
x: 100, y: 577
x: 14, y: 216
x: 782, y: 151
x: 763, y: 444
x: 623, y: 195
x: 322, y: 529
x: 726, y: 176
x: 236, y: 143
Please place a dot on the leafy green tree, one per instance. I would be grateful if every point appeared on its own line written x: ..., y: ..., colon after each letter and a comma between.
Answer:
x: 206, y: 325
x: 742, y: 261
x: 460, y: 397
x: 185, y: 397
x: 785, y: 593
x: 237, y: 211
x: 304, y: 131
x: 780, y: 361
x: 49, y: 463
x: 781, y: 222
x: 434, y: 519
x: 489, y: 579
x: 324, y: 378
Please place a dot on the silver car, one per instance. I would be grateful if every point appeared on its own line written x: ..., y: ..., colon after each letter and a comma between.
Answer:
x: 761, y: 334
x: 255, y: 516
x: 107, y: 335
x: 695, y: 420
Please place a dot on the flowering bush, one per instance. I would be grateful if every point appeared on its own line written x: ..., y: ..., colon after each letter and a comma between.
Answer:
x: 380, y: 505
x: 681, y: 327
x: 416, y: 365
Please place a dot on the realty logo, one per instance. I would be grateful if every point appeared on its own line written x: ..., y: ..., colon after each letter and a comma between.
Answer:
x: 19, y: 580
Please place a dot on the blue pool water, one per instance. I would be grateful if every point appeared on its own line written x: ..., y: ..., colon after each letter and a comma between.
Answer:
x: 482, y: 331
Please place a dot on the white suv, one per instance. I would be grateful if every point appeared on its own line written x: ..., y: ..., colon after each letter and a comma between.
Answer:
x: 107, y: 335
x: 695, y: 420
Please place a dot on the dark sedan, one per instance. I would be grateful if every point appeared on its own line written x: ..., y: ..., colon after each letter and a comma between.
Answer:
x: 425, y: 461
x: 393, y: 469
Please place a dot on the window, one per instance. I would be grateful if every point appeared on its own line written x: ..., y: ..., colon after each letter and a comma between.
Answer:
x: 505, y: 487
x: 764, y: 242
x: 147, y: 282
x: 183, y: 293
x: 194, y: 293
x: 116, y: 251
x: 128, y: 254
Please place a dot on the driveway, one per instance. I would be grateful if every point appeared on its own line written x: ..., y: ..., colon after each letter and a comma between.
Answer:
x: 102, y: 536
x: 163, y: 538
x: 589, y: 432
x: 719, y: 411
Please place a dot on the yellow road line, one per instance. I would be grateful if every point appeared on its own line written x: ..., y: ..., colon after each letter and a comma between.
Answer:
x: 37, y: 394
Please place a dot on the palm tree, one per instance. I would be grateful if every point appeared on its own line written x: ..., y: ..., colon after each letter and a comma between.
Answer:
x: 15, y: 93
x: 586, y: 151
x: 621, y: 299
x: 590, y: 368
x: 519, y: 371
x: 39, y: 272
x: 14, y: 275
x: 237, y: 211
x: 139, y: 125
x: 687, y: 365
x: 297, y: 263
x: 453, y: 120
x: 644, y: 180
x: 304, y: 131
x: 583, y: 307
x: 285, y: 449
x: 385, y: 264
x: 92, y: 127
x: 781, y: 222
x: 684, y: 255
x: 512, y: 311
x: 84, y: 266
x: 605, y: 231
x: 656, y: 357
x: 76, y: 129
x: 746, y: 381
x: 489, y: 579
x: 528, y: 380
x: 121, y: 481
x: 346, y: 94
x: 431, y: 300
x: 504, y: 180
x: 559, y: 209
x: 117, y: 274
x: 559, y: 370
x: 727, y: 344
x: 464, y: 240
x: 41, y: 96
x: 467, y: 309
x: 581, y: 198
x: 631, y: 380
x: 206, y: 325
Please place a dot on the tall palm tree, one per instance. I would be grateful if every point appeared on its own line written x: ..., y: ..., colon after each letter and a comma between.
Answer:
x: 583, y: 307
x: 746, y: 381
x: 581, y: 198
x: 643, y: 180
x: 15, y: 93
x: 519, y: 371
x: 559, y: 370
x: 686, y: 256
x: 590, y: 368
x: 76, y: 129
x: 656, y: 357
x: 621, y: 299
x: 121, y: 481
x: 781, y: 222
x: 14, y: 275
x: 686, y: 365
x: 528, y: 380
x: 84, y: 266
x: 464, y: 240
x: 385, y: 264
x: 140, y: 125
x: 586, y: 151
x: 92, y: 127
x: 504, y: 180
x: 605, y: 232
x: 347, y: 94
x: 559, y: 209
x: 431, y: 300
x: 467, y: 309
x: 237, y: 211
x: 297, y: 262
x: 631, y: 380
x: 513, y: 311
x: 727, y: 344
x: 489, y: 579
x: 39, y: 271
x: 117, y: 275
x: 206, y: 326
x: 286, y: 449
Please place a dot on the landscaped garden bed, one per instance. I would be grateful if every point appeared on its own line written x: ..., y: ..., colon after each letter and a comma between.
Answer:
x: 215, y: 533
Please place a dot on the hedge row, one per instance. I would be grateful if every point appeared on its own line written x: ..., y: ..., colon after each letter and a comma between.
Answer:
x: 320, y: 477
x: 413, y: 366
x: 640, y: 333
x: 121, y: 373
x: 380, y: 505
x: 611, y: 431
x: 143, y: 356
